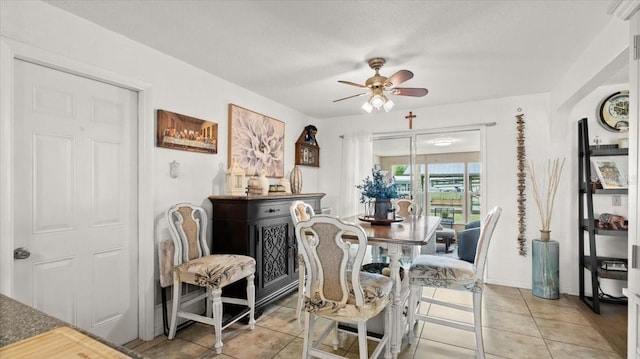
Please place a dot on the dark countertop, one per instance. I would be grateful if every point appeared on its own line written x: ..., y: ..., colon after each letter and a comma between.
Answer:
x: 19, y: 322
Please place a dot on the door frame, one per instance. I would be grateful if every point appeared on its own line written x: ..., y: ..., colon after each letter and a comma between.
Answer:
x: 10, y: 51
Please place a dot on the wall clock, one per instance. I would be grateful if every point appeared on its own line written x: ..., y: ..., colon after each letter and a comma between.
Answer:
x: 613, y: 113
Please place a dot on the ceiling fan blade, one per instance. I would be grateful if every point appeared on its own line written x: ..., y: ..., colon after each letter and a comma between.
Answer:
x: 351, y: 83
x: 406, y: 91
x: 399, y: 77
x: 346, y: 98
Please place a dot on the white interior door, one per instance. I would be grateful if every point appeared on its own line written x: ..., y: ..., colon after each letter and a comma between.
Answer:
x: 75, y: 200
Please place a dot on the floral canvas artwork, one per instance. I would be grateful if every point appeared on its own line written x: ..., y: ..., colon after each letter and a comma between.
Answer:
x: 256, y: 142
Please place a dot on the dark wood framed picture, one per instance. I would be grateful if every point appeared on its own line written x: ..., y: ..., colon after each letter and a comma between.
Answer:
x: 181, y: 132
x: 307, y: 155
x: 307, y: 149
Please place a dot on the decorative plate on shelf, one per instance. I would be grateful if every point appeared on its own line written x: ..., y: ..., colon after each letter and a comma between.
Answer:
x: 380, y: 222
x: 613, y: 113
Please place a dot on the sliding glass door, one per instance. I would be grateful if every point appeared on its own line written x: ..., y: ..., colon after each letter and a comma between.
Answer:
x: 440, y: 170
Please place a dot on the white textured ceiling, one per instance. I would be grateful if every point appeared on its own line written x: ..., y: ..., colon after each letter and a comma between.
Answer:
x: 293, y: 52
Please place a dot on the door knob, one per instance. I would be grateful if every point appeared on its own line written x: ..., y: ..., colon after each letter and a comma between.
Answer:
x: 21, y: 253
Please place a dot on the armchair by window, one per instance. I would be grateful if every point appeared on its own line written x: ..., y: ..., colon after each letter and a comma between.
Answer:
x: 468, y: 241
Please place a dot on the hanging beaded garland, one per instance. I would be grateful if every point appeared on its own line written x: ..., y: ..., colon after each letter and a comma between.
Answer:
x: 522, y: 209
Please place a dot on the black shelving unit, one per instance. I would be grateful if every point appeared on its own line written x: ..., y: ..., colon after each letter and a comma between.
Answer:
x: 589, y: 224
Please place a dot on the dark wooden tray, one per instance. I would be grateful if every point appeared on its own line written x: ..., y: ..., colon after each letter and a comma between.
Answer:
x: 380, y: 222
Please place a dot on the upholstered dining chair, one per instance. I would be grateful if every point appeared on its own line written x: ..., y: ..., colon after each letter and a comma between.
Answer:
x: 451, y: 273
x: 334, y: 292
x: 193, y: 264
x: 468, y: 241
x: 404, y: 208
x: 300, y: 211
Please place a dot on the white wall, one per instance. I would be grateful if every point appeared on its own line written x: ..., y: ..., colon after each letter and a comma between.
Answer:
x: 505, y: 265
x: 181, y: 88
x: 175, y: 86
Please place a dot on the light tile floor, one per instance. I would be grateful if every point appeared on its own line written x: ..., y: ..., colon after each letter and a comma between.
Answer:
x: 516, y: 325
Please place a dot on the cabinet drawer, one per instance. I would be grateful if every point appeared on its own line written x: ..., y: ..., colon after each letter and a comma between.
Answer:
x: 269, y: 210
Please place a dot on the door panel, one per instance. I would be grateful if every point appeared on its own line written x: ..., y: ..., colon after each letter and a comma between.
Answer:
x: 53, y: 292
x: 75, y: 200
x: 53, y: 182
x: 274, y: 254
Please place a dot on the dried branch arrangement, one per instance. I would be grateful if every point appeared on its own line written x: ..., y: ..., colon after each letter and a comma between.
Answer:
x: 551, y: 181
x: 522, y: 208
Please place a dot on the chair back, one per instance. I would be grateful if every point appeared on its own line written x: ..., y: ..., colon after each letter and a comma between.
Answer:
x: 473, y: 224
x: 486, y: 232
x: 301, y: 211
x: 327, y: 252
x: 407, y: 207
x: 188, y: 227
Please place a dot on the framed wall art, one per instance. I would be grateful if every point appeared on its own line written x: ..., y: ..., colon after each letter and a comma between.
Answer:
x: 256, y: 142
x: 611, y: 173
x: 307, y: 149
x: 181, y: 132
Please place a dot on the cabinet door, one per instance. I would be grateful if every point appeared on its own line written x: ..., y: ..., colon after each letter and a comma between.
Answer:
x: 273, y: 252
x: 293, y: 258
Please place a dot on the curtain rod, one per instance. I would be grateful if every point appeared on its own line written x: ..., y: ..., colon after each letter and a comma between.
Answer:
x: 432, y: 130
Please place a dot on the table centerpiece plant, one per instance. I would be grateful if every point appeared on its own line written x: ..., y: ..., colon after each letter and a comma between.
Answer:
x: 375, y: 187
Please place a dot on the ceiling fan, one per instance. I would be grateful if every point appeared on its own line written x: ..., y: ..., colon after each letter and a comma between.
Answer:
x: 378, y: 85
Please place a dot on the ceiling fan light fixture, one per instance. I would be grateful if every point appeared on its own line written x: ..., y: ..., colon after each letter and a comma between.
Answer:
x: 388, y: 105
x: 377, y: 101
x: 379, y: 84
x: 445, y: 141
x: 367, y: 107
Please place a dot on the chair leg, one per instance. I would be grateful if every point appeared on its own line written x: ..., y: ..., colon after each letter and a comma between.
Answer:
x: 336, y: 339
x: 217, y: 317
x: 175, y: 306
x: 308, y: 333
x: 477, y: 322
x: 362, y: 340
x: 251, y: 301
x: 301, y: 284
x: 387, y: 332
x: 209, y: 309
x: 415, y: 292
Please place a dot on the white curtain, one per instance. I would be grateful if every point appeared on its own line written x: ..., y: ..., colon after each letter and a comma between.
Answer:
x: 357, y: 161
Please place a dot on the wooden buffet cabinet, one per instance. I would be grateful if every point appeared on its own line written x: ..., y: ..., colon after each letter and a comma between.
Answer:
x: 261, y: 227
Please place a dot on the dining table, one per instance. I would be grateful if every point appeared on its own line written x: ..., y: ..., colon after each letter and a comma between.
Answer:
x: 393, y: 235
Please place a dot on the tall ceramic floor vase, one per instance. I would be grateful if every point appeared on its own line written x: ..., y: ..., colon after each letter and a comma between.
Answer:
x: 296, y: 180
x: 545, y: 273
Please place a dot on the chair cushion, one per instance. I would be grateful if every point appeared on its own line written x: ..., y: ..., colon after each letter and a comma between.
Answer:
x: 215, y: 271
x: 444, y: 272
x: 377, y: 294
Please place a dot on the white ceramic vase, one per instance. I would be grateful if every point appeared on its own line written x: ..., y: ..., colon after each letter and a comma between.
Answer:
x: 296, y: 180
x: 264, y: 183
